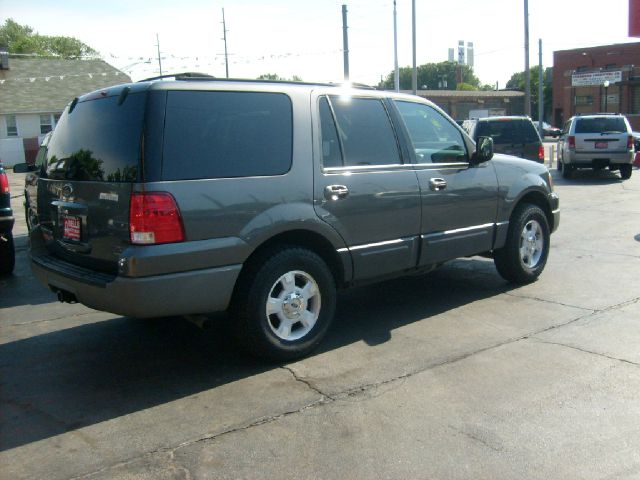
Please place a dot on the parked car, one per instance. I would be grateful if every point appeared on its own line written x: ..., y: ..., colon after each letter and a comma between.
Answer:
x: 181, y: 197
x: 31, y: 182
x: 7, y: 249
x: 597, y: 142
x: 511, y: 135
x: 636, y: 146
x: 550, y: 131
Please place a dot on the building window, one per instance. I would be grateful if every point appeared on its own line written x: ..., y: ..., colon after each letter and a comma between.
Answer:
x: 45, y: 124
x: 56, y: 119
x: 12, y: 128
x: 635, y: 105
x: 584, y: 100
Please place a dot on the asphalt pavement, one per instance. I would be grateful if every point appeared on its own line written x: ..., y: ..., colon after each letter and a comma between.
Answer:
x: 451, y: 375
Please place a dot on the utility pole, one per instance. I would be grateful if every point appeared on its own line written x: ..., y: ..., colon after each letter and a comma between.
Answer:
x: 224, y: 37
x: 527, y: 74
x: 540, y: 89
x: 414, y: 75
x: 345, y: 43
x: 159, y: 60
x: 396, y: 71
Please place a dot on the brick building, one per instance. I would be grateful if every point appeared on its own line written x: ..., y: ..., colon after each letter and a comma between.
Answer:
x: 597, y: 79
x: 459, y: 104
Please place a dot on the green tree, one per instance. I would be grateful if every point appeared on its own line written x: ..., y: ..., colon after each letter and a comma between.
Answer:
x: 516, y: 82
x: 275, y: 76
x: 22, y: 39
x: 433, y: 76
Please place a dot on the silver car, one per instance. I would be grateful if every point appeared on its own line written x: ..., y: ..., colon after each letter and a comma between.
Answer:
x: 597, y: 142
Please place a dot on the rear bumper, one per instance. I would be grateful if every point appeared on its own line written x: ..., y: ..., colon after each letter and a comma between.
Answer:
x: 595, y: 158
x: 6, y: 224
x: 200, y: 291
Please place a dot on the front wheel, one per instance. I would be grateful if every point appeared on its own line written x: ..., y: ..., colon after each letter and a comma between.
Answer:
x: 625, y: 171
x: 7, y: 254
x: 525, y: 252
x: 284, y: 304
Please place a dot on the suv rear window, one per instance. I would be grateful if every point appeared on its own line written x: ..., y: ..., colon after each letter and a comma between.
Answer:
x: 601, y: 124
x: 98, y: 141
x: 226, y: 134
x: 508, y: 131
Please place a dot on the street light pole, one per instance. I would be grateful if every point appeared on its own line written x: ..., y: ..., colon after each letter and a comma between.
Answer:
x: 606, y: 90
x: 414, y: 76
x: 527, y: 74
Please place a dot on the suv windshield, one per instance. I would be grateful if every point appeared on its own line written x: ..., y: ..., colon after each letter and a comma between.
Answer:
x: 513, y: 131
x: 98, y: 141
x: 600, y: 125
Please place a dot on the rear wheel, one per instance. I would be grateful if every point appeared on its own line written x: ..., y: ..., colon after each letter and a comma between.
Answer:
x: 567, y: 170
x: 625, y: 171
x: 7, y: 254
x: 525, y: 252
x: 284, y: 304
x: 559, y: 165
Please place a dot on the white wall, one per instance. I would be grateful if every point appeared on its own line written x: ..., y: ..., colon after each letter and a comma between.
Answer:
x: 11, y: 151
x: 28, y: 125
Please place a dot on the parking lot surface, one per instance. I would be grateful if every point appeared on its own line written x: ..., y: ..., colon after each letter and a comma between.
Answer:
x: 451, y: 375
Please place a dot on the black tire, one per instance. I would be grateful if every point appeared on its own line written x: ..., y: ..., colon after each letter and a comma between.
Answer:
x: 255, y: 330
x: 7, y: 254
x: 509, y: 260
x: 559, y: 165
x: 625, y: 171
x: 567, y: 170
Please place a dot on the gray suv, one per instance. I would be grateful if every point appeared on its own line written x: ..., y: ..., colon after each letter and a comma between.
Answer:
x: 264, y: 198
x: 597, y: 142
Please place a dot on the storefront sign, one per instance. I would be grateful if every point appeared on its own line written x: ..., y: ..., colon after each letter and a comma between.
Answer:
x: 595, y: 78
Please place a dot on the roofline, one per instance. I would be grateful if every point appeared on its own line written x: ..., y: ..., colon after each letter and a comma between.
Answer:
x: 597, y: 47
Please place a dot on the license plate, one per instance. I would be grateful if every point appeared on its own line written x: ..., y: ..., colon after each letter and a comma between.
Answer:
x: 71, y: 228
x: 602, y: 144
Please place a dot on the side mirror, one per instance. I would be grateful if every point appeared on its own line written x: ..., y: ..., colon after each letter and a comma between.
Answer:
x: 484, y: 150
x: 23, y: 168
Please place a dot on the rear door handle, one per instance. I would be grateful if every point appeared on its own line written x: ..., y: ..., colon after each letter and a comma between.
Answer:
x: 335, y: 192
x: 437, y: 184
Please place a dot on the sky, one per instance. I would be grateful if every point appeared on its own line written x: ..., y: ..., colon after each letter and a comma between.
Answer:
x: 288, y: 37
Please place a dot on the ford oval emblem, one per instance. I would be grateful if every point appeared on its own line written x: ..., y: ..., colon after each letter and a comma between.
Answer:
x: 67, y: 190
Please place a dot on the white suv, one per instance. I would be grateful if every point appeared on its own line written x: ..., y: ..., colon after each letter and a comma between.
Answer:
x: 596, y: 141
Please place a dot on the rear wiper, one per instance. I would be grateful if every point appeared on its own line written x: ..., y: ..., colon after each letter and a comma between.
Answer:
x: 610, y: 132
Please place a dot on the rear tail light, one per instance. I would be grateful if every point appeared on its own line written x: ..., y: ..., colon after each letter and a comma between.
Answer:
x: 154, y: 218
x: 541, y: 153
x: 572, y: 142
x: 4, y: 183
x: 630, y: 142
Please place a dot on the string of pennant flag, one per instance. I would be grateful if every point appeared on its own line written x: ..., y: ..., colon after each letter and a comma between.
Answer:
x: 60, y: 77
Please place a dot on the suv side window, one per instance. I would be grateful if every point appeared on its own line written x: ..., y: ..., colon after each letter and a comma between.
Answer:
x: 227, y: 134
x: 365, y: 132
x: 331, y: 152
x: 434, y: 138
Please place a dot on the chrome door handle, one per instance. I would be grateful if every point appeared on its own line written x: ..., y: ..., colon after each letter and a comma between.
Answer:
x: 335, y: 192
x: 437, y: 184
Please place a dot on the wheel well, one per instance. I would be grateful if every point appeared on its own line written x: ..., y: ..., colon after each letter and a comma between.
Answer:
x: 305, y: 239
x: 538, y: 199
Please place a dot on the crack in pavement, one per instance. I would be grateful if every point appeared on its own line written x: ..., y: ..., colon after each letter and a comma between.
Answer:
x: 573, y: 347
x: 306, y: 382
x: 544, y: 300
x: 171, y: 450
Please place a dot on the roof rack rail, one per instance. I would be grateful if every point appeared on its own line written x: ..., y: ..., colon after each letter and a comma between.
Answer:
x: 181, y: 76
x: 211, y: 78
